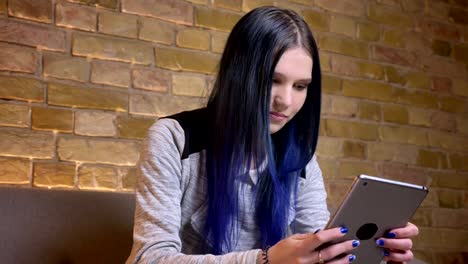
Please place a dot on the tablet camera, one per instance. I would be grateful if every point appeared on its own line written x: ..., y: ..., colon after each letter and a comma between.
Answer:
x: 367, y: 231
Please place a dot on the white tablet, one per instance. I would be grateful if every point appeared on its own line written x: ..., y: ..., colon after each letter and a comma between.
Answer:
x: 372, y: 207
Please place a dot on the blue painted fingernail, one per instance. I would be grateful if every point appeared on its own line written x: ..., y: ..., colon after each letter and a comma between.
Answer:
x: 316, y: 231
x: 352, y: 258
x: 391, y: 235
x: 386, y: 253
x: 380, y: 242
x: 356, y: 243
x: 344, y: 230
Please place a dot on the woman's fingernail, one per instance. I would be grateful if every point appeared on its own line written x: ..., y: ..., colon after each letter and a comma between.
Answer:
x: 356, y: 243
x: 344, y: 230
x: 316, y: 231
x: 386, y: 253
x: 352, y: 258
x: 380, y: 242
x: 391, y: 235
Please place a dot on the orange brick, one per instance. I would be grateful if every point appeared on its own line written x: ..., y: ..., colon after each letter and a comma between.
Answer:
x: 458, y: 15
x: 118, y: 24
x: 324, y: 61
x: 442, y: 85
x: 2, y: 6
x: 331, y: 85
x: 416, y: 98
x: 369, y: 110
x: 440, y: 30
x: 394, y: 56
x: 329, y: 167
x: 218, y: 41
x: 459, y: 161
x: 418, y: 80
x: 395, y: 75
x: 193, y: 39
x: 32, y: 35
x: 354, y: 149
x: 58, y: 175
x: 344, y: 46
x: 177, y: 60
x: 395, y: 113
x: 26, y: 89
x: 441, y: 48
x: 413, y: 5
x: 317, y: 20
x: 336, y: 191
x: 367, y: 89
x: 14, y: 171
x: 37, y: 10
x: 329, y: 147
x: 347, y: 7
x: 95, y: 123
x: 229, y: 4
x: 97, y: 177
x: 368, y: 31
x: 432, y: 159
x: 52, y: 119
x: 348, y: 129
x: 151, y: 79
x: 157, y: 31
x: 112, y: 4
x: 453, y: 105
x: 344, y: 106
x: 128, y: 178
x: 26, y: 143
x: 189, y: 85
x: 450, y: 198
x: 72, y: 96
x: 400, y: 172
x: 394, y: 38
x: 447, y: 141
x: 215, y: 19
x: 76, y: 16
x: 460, y: 53
x: 131, y: 127
x: 343, y: 25
x: 404, y: 135
x: 14, y: 115
x: 459, y: 87
x: 389, y: 16
x: 110, y: 73
x: 112, y: 49
x: 349, y: 66
x: 352, y: 169
x: 65, y: 67
x: 453, y: 180
x: 248, y: 5
x: 152, y: 104
x: 175, y: 11
x: 18, y: 59
x: 85, y: 150
x: 443, y: 66
x: 419, y: 117
x: 443, y: 121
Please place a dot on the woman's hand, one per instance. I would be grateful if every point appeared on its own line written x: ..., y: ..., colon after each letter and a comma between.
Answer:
x: 301, y: 248
x: 397, y: 244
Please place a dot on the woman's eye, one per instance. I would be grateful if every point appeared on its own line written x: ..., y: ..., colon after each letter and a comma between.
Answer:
x: 276, y: 81
x: 301, y: 86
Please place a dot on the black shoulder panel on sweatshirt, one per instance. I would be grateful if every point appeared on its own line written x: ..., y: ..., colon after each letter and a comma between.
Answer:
x: 195, y: 126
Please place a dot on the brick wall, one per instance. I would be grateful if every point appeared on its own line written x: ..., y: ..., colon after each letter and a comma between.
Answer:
x: 82, y: 80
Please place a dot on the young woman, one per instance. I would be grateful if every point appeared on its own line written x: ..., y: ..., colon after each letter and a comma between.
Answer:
x: 237, y: 181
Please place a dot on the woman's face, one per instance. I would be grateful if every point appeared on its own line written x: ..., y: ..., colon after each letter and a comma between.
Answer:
x: 292, y: 75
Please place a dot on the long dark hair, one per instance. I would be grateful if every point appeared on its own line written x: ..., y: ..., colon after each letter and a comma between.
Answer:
x: 240, y: 103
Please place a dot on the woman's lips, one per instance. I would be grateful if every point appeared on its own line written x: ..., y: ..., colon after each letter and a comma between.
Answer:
x: 275, y: 116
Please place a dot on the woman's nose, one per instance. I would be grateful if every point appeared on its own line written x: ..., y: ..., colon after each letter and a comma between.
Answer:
x: 283, y: 96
